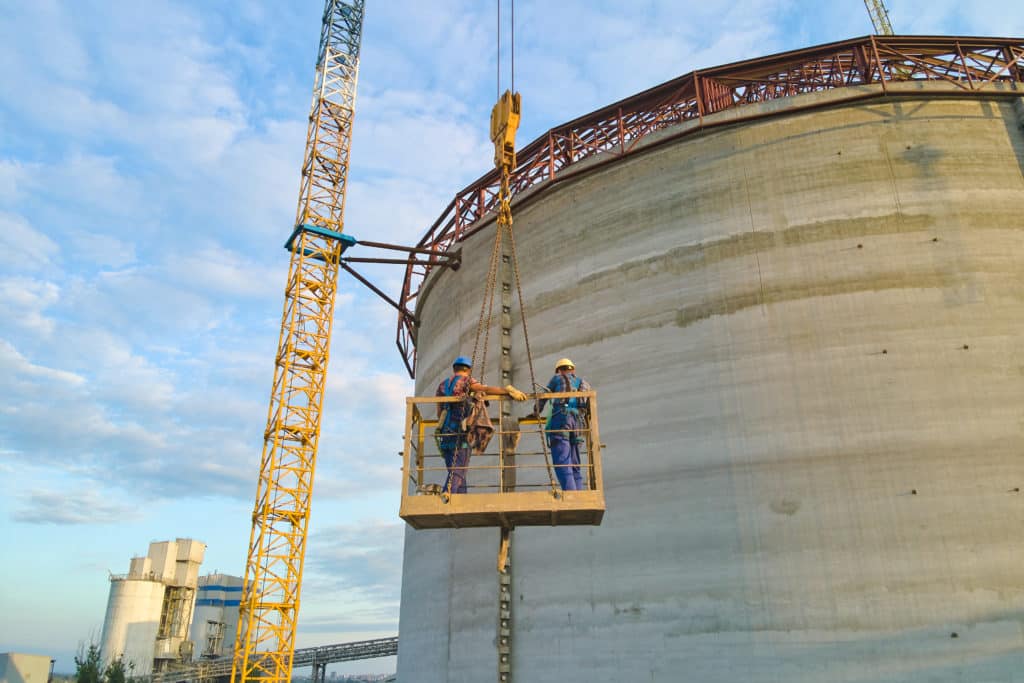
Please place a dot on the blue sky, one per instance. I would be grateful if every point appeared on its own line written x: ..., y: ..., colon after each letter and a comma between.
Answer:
x: 149, y: 156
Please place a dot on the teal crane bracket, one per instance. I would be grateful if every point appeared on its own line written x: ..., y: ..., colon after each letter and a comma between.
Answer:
x: 346, y: 240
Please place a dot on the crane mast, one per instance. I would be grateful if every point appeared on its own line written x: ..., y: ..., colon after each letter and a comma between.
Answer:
x: 879, y: 17
x: 265, y: 640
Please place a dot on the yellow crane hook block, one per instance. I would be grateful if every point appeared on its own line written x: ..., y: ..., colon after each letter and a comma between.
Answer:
x: 504, y: 124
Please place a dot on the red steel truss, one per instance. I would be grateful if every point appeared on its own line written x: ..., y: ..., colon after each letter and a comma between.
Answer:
x: 967, y: 65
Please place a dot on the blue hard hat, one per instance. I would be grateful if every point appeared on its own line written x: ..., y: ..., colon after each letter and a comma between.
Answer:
x: 462, y: 360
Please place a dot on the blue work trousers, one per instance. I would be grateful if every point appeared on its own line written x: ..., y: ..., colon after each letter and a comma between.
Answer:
x: 565, y: 456
x: 457, y: 461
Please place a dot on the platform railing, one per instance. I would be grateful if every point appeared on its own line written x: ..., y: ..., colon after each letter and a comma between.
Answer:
x: 510, y: 482
x: 515, y: 459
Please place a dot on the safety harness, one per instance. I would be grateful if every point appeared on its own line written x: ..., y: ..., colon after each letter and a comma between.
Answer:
x: 467, y: 419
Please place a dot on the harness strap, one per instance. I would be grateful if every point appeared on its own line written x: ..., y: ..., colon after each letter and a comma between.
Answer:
x: 568, y: 384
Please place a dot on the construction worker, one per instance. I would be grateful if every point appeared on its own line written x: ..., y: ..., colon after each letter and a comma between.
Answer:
x: 568, y: 417
x: 452, y: 431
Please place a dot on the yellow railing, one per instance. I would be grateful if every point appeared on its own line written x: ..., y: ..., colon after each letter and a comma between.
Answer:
x: 514, y: 475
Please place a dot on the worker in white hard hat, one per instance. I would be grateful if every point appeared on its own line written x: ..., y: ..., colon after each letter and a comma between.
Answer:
x: 568, y: 417
x: 452, y: 431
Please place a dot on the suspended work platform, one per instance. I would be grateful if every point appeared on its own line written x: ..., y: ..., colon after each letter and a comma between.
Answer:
x: 512, y: 482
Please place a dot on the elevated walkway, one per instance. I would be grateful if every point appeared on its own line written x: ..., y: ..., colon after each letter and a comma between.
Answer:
x: 220, y: 669
x: 511, y: 483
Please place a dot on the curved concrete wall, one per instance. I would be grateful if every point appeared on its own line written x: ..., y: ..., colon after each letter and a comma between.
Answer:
x: 131, y: 622
x: 793, y: 325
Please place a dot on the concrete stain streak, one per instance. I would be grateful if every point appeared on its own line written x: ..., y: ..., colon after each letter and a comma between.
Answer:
x: 688, y: 315
x: 693, y: 257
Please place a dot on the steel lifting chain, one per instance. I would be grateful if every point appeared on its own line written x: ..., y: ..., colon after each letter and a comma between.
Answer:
x: 529, y: 352
x: 483, y: 327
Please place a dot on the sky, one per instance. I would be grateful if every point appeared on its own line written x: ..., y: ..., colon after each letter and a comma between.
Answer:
x: 149, y: 169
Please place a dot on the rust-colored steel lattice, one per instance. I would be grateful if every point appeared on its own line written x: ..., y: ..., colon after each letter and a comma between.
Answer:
x: 954, y: 65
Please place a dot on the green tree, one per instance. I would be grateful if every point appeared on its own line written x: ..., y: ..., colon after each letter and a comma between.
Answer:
x: 88, y: 668
x: 119, y: 672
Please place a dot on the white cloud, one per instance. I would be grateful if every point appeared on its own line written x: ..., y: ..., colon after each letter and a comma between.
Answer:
x: 47, y: 23
x: 22, y: 247
x: 203, y: 140
x: 447, y: 142
x: 81, y: 198
x: 102, y: 250
x: 394, y: 210
x: 192, y: 76
x: 93, y: 181
x: 355, y: 570
x: 178, y: 102
x: 217, y: 271
x: 23, y: 302
x: 252, y: 192
x: 82, y: 115
x: 456, y: 40
x: 121, y: 375
x: 141, y: 303
x: 12, y: 176
x: 16, y: 366
x: 82, y: 506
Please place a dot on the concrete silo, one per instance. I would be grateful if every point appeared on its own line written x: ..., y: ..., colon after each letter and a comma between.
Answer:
x: 804, y: 314
x: 149, y: 609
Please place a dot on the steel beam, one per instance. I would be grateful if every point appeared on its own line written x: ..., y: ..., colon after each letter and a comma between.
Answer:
x: 970, y: 65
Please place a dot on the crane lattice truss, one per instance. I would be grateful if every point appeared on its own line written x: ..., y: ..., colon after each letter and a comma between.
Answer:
x: 960, y: 65
x: 879, y: 17
x: 265, y: 640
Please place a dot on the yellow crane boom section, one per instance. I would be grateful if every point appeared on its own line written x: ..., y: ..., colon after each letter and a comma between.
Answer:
x: 879, y: 17
x: 269, y: 608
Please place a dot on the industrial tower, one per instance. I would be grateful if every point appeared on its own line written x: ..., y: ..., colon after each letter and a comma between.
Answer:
x: 265, y: 640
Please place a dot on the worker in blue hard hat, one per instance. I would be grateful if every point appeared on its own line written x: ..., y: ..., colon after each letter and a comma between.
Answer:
x: 453, y: 435
x: 568, y: 417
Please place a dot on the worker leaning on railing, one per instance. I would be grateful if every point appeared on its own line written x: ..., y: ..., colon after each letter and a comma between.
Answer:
x: 464, y: 424
x: 568, y: 418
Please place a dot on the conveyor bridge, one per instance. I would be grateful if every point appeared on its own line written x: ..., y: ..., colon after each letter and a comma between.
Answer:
x: 316, y: 657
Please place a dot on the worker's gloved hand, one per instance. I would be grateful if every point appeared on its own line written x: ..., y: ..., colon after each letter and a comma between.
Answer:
x: 515, y: 393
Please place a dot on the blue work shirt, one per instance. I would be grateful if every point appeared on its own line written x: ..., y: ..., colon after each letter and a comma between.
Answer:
x: 451, y: 428
x: 565, y: 412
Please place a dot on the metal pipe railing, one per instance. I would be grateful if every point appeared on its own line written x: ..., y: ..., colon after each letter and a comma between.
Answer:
x: 523, y: 467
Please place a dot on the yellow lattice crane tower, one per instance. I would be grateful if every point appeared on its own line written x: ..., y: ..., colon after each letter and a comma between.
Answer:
x: 879, y: 17
x: 265, y: 640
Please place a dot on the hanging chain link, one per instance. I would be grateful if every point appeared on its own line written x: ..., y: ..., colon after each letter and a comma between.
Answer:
x: 483, y: 325
x: 503, y: 224
x: 529, y: 352
x: 522, y: 303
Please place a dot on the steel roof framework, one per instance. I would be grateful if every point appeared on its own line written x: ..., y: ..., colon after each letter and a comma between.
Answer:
x: 969, y: 65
